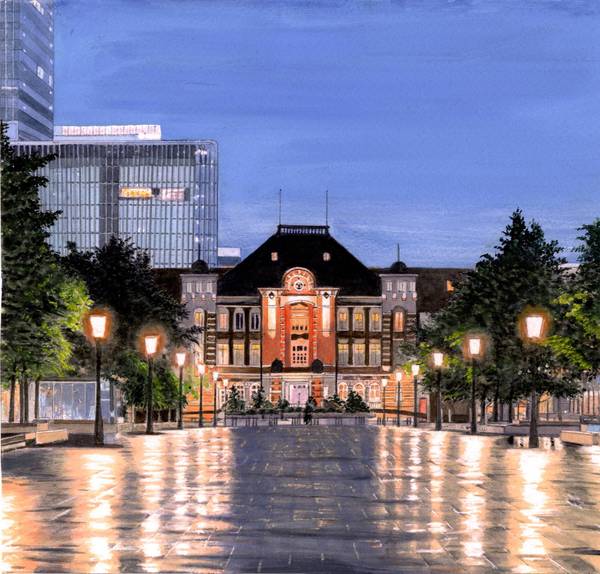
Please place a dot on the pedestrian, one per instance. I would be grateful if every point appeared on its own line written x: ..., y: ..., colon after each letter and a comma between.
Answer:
x: 308, y: 408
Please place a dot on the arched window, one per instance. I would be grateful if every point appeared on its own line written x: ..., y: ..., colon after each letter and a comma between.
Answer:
x: 358, y: 320
x: 222, y: 319
x: 253, y: 390
x: 342, y: 319
x: 343, y: 391
x: 374, y: 392
x: 359, y: 389
x: 254, y: 320
x: 399, y: 320
x: 199, y: 317
x: 238, y: 320
x: 375, y: 320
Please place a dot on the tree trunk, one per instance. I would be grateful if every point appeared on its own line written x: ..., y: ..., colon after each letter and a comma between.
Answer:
x: 511, y: 400
x: 11, y: 403
x: 26, y: 399
x: 496, y: 401
x: 21, y: 401
x: 482, y: 413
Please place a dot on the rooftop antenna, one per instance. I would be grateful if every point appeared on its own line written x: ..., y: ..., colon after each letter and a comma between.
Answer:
x: 327, y: 207
x: 279, y: 206
x: 397, y: 252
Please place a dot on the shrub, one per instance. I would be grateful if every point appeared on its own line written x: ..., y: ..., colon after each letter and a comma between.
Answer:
x: 355, y: 403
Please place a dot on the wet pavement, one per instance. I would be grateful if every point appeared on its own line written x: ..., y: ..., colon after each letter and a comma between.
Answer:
x: 317, y: 499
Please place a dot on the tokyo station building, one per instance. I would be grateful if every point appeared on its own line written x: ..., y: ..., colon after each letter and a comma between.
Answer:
x: 302, y: 317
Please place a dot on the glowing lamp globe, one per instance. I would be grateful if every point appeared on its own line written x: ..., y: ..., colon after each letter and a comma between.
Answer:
x: 384, y: 382
x: 475, y: 346
x: 534, y: 325
x: 398, y: 376
x: 215, y: 376
x: 98, y: 324
x: 180, y: 359
x: 202, y: 369
x: 151, y: 344
x: 438, y: 360
x: 415, y: 368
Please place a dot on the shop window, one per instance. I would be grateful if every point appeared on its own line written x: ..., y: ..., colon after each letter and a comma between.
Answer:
x: 359, y: 389
x: 343, y: 391
x: 374, y: 392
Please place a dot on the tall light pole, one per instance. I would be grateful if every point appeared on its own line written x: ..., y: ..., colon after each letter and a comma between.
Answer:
x: 473, y: 350
x: 180, y: 358
x: 398, y: 396
x: 534, y: 326
x: 414, y: 368
x: 384, y: 383
x: 225, y: 385
x: 151, y: 347
x: 438, y: 363
x: 201, y: 371
x: 215, y: 379
x: 98, y: 327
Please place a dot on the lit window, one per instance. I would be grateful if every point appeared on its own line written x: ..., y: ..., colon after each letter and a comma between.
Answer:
x: 36, y: 4
x: 343, y: 320
x: 238, y: 353
x: 274, y: 256
x: 326, y: 256
x: 358, y: 322
x: 199, y: 287
x: 343, y: 391
x: 238, y: 320
x: 359, y: 389
x: 449, y: 286
x: 343, y: 350
x: 299, y: 354
x: 374, y: 392
x: 223, y: 320
x: 223, y: 354
x: 399, y: 321
x: 388, y: 285
x: 40, y: 72
x: 209, y: 286
x: 374, y: 353
x: 254, y: 320
x: 199, y: 317
x: 413, y: 286
x: 358, y: 354
x: 255, y: 354
x: 189, y: 287
x: 375, y: 320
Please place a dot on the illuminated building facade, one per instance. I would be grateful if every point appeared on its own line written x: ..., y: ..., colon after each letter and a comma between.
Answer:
x: 303, y: 317
x: 27, y: 68
x: 161, y: 194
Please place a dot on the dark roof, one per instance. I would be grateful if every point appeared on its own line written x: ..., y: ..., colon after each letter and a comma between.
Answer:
x: 300, y: 246
x: 431, y: 286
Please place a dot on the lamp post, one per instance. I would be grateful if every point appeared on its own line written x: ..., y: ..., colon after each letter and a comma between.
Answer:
x: 415, y: 373
x: 474, y: 351
x: 384, y: 383
x: 438, y: 363
x: 533, y: 330
x: 201, y: 371
x: 180, y: 358
x: 151, y: 347
x: 225, y: 385
x: 215, y: 379
x: 98, y: 327
x: 398, y: 396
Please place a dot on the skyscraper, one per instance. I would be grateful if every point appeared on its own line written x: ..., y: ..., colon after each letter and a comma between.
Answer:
x: 27, y: 68
x: 126, y: 181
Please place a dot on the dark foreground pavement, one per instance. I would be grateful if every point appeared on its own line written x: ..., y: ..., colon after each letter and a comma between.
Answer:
x: 318, y: 499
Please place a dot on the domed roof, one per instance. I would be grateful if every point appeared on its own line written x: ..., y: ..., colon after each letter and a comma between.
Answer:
x: 398, y: 267
x: 199, y: 266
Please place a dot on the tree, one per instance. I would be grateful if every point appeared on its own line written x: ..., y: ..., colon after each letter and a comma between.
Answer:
x: 39, y: 303
x: 234, y: 403
x: 118, y: 275
x: 355, y: 403
x: 525, y: 270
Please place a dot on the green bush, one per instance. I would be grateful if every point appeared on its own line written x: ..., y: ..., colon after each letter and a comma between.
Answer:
x: 355, y: 403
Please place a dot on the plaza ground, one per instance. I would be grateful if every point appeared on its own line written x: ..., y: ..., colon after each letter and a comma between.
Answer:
x: 303, y: 499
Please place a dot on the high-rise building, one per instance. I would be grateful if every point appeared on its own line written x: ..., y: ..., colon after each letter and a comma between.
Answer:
x: 27, y: 68
x: 161, y: 194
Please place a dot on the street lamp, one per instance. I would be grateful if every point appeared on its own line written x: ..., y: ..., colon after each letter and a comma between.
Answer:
x: 215, y: 379
x: 473, y: 350
x: 225, y: 385
x: 180, y: 359
x: 415, y: 367
x: 98, y: 327
x: 438, y: 363
x: 201, y: 371
x: 533, y: 327
x: 384, y: 383
x: 151, y: 347
x: 398, y: 396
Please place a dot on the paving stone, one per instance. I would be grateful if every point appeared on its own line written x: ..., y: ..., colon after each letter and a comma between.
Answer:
x: 296, y: 499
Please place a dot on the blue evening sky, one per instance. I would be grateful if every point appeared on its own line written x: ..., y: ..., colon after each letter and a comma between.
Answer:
x: 429, y: 121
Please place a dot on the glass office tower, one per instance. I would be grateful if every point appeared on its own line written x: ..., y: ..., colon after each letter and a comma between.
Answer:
x: 27, y: 68
x: 161, y: 194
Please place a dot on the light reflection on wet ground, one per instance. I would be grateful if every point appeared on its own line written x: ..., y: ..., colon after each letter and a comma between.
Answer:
x: 317, y: 499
